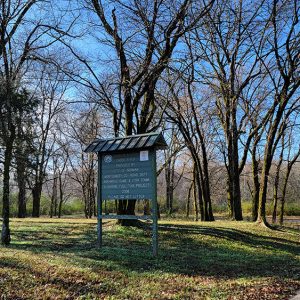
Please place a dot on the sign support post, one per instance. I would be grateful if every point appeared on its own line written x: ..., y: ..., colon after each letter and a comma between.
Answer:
x: 154, y: 212
x: 99, y: 196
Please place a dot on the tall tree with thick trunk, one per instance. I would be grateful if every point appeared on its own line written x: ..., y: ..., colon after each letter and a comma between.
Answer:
x: 292, y: 158
x: 13, y: 15
x: 143, y: 35
x: 51, y: 88
x: 81, y: 130
x: 12, y: 104
x: 228, y: 66
x: 23, y: 151
x: 22, y: 38
x: 8, y: 135
x: 283, y: 44
x: 184, y: 110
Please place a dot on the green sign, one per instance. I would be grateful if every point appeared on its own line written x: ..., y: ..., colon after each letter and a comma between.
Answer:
x: 128, y: 175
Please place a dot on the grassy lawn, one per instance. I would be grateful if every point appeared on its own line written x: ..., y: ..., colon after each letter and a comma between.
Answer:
x: 57, y: 259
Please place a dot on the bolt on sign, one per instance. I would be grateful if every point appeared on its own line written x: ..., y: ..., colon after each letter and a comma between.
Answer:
x: 127, y: 171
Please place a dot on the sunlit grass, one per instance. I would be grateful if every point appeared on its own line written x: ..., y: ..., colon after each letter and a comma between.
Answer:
x: 58, y: 259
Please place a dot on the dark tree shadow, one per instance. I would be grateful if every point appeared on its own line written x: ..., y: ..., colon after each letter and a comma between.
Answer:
x: 232, y: 254
x: 79, y: 287
x: 230, y: 234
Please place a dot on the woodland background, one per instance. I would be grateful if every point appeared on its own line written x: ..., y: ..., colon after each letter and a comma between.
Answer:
x: 220, y: 79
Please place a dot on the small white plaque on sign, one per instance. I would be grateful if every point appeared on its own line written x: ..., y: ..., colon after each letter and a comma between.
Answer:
x: 144, y: 155
x: 108, y: 159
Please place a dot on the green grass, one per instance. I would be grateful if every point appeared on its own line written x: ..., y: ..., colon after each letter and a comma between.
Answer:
x: 57, y: 259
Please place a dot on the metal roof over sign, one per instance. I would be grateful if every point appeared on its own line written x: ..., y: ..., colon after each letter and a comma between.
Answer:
x: 139, y: 141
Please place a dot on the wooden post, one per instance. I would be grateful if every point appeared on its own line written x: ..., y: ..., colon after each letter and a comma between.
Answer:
x: 154, y: 210
x: 99, y: 203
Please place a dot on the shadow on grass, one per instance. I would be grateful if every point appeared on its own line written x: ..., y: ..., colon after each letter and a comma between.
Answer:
x: 246, y: 238
x: 72, y: 284
x: 192, y: 250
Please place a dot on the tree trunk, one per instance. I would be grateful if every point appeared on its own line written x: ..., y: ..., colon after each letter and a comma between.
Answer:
x: 21, y: 169
x: 195, y: 196
x: 61, y: 195
x: 59, y: 209
x: 286, y: 179
x: 264, y: 184
x: 158, y: 211
x: 126, y: 207
x: 205, y: 185
x: 55, y: 199
x: 268, y: 157
x: 22, y: 195
x: 131, y: 207
x: 147, y: 210
x: 85, y: 210
x: 276, y: 183
x: 282, y: 202
x: 171, y: 195
x: 195, y: 203
x: 188, y: 200
x: 275, y: 196
x: 53, y: 208
x: 233, y: 181
x: 229, y: 197
x: 256, y: 184
x: 236, y: 190
x: 22, y: 200
x: 200, y: 198
x: 5, y: 234
x: 36, y: 199
x: 168, y: 186
x: 275, y: 200
x: 255, y: 197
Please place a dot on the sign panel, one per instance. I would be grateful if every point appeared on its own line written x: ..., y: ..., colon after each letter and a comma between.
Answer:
x: 128, y: 175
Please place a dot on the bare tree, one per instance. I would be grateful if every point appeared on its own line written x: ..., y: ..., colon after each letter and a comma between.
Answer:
x: 22, y: 39
x: 171, y: 157
x: 184, y: 110
x: 60, y: 193
x: 143, y: 36
x: 13, y: 15
x: 51, y: 89
x: 81, y: 130
x: 224, y: 47
x: 23, y: 151
x: 292, y: 157
x: 54, y: 194
x: 63, y: 181
x: 282, y: 42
